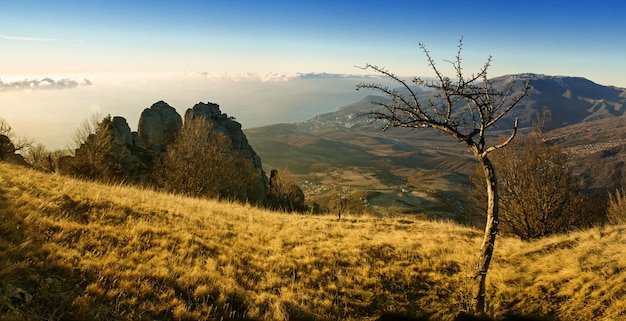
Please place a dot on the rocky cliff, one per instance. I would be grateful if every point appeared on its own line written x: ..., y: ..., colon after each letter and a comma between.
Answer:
x: 226, y: 125
x: 7, y: 152
x: 158, y: 126
x: 135, y: 152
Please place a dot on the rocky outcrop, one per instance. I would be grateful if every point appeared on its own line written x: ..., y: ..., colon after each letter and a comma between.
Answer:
x: 220, y: 122
x: 116, y: 154
x: 226, y: 125
x: 135, y: 159
x: 6, y: 147
x: 7, y: 152
x: 133, y: 153
x: 158, y: 126
x: 284, y: 195
x: 121, y: 131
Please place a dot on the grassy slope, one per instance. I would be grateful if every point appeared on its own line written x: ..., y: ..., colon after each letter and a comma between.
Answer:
x: 77, y: 250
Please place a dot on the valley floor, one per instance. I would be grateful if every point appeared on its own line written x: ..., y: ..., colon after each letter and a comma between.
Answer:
x: 74, y: 250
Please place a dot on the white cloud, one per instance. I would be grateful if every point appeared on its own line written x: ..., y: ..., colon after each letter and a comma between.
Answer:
x: 21, y: 38
x: 43, y: 83
x: 275, y: 76
x: 51, y: 116
x: 325, y: 75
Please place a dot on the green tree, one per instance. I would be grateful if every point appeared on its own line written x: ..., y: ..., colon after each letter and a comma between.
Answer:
x: 202, y: 163
x: 464, y: 108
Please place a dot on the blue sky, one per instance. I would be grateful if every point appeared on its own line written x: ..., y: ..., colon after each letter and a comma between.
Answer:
x: 123, y: 48
x: 581, y: 38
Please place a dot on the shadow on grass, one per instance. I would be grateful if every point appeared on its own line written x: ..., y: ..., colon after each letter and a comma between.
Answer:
x: 460, y: 317
x: 38, y: 284
x: 31, y: 286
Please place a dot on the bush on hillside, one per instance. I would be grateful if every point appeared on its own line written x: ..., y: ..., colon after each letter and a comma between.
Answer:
x: 39, y: 157
x: 539, y: 194
x: 96, y: 157
x: 284, y: 193
x: 616, y: 210
x: 202, y: 163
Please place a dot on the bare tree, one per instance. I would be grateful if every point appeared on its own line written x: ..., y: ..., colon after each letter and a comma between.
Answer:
x: 96, y: 156
x: 87, y: 127
x: 38, y: 156
x: 464, y: 108
x: 540, y: 195
x: 20, y: 143
x: 341, y: 200
x: 5, y: 128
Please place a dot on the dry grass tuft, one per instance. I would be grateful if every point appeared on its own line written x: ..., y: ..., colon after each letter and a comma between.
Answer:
x: 73, y: 250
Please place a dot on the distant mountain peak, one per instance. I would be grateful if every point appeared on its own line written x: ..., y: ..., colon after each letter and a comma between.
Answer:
x: 570, y: 99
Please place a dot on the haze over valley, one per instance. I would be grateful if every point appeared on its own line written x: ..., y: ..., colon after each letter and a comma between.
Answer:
x: 50, y: 111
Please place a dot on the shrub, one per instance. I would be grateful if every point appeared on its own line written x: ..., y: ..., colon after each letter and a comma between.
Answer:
x: 616, y: 210
x: 96, y: 157
x: 202, y: 163
x: 539, y: 194
x: 284, y: 193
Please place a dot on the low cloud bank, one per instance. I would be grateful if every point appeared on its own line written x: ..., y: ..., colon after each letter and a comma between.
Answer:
x: 41, y: 84
x: 255, y: 99
x: 269, y: 77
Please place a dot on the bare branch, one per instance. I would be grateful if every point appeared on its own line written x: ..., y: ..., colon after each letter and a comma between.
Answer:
x: 513, y: 101
x: 394, y: 78
x: 22, y: 143
x: 5, y: 128
x: 412, y: 108
x: 506, y: 142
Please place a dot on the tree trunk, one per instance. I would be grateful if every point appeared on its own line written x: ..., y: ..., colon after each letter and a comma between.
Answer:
x: 491, y: 230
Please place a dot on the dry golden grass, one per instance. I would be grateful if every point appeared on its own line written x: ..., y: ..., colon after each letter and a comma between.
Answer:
x: 87, y: 251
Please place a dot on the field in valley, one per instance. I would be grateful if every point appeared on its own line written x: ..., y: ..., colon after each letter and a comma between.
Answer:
x: 74, y: 250
x: 404, y: 172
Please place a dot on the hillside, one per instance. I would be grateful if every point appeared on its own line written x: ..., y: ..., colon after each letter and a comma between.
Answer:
x: 598, y: 148
x: 74, y: 250
x: 341, y: 149
x: 571, y: 100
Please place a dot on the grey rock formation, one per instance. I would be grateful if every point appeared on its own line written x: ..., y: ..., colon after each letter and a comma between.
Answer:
x: 133, y: 153
x: 121, y: 131
x: 158, y: 126
x: 6, y: 147
x: 135, y: 158
x: 121, y: 154
x: 227, y: 125
x: 7, y: 152
x: 137, y: 140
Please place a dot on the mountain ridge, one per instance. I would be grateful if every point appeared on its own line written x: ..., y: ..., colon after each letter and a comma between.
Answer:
x: 429, y: 162
x: 571, y: 100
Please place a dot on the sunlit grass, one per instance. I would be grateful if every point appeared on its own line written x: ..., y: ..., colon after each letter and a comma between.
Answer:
x: 87, y: 251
